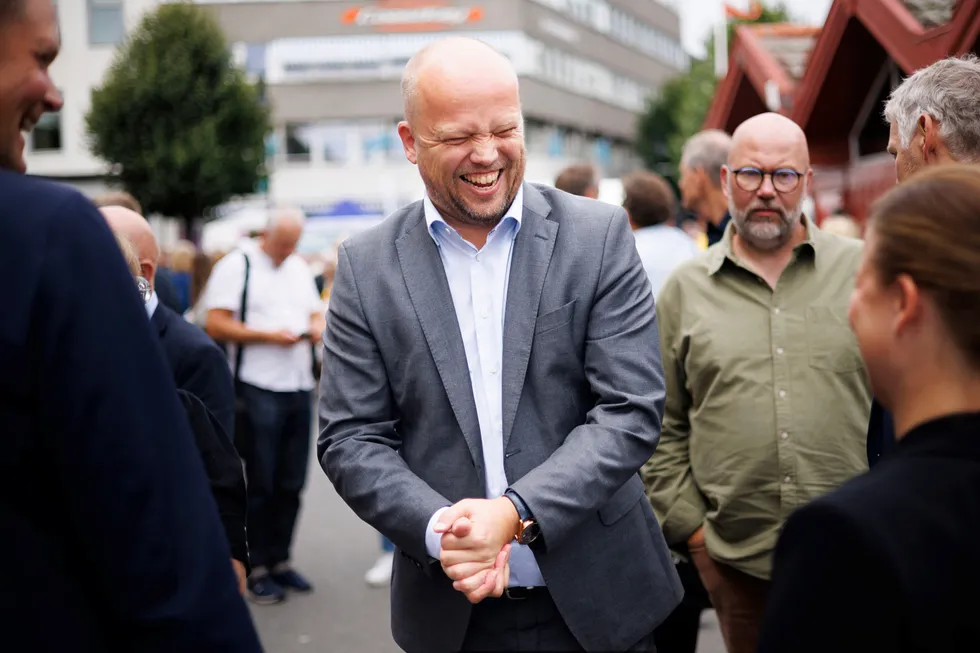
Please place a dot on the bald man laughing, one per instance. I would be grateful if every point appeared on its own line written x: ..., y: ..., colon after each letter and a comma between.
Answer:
x: 498, y: 449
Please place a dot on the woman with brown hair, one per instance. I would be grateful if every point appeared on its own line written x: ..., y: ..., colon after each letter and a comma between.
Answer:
x: 889, y: 561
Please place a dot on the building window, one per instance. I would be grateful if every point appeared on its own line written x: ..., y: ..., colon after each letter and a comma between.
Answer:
x: 334, y: 141
x: 380, y: 142
x: 105, y: 22
x: 46, y: 135
x: 297, y: 142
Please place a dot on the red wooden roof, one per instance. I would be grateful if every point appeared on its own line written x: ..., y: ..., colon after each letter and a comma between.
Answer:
x: 842, y: 59
x: 896, y: 30
x: 760, y: 54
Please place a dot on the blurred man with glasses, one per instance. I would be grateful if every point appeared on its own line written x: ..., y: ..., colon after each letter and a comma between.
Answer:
x: 767, y: 397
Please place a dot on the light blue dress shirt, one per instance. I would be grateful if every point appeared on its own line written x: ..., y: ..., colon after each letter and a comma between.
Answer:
x: 662, y: 248
x: 478, y: 282
x: 151, y: 304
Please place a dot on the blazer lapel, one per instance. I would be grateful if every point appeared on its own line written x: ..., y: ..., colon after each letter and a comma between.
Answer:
x: 533, y: 248
x: 428, y: 288
x: 159, y: 319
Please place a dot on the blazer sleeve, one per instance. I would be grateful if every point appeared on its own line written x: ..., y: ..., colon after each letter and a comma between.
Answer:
x: 224, y: 470
x: 204, y: 372
x: 830, y: 588
x: 359, y: 442
x: 146, y: 533
x: 622, y: 364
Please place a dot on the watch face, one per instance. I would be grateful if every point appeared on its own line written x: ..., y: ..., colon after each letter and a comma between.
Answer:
x: 529, y: 533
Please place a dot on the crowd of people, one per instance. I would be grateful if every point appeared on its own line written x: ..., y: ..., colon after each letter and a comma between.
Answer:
x: 575, y: 425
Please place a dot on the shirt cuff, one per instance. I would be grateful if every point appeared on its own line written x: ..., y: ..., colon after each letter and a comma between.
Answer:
x: 433, y: 540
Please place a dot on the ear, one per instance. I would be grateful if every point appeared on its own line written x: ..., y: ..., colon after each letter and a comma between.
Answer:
x: 932, y: 143
x: 149, y: 272
x: 408, y: 142
x: 724, y: 180
x: 908, y: 302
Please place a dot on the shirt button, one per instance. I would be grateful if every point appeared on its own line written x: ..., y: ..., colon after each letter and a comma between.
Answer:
x: 485, y: 314
x: 776, y: 311
x: 783, y: 435
x: 779, y: 350
x: 493, y: 370
x: 782, y: 394
x: 788, y: 479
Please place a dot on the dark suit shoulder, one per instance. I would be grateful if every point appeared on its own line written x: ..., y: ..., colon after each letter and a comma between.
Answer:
x: 193, y: 339
x: 894, y: 490
x: 34, y: 213
x: 883, y: 563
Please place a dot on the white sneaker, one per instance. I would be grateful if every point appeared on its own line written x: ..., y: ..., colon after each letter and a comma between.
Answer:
x: 380, y: 574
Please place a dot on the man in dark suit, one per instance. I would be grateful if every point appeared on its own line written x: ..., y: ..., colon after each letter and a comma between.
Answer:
x: 499, y: 454
x: 112, y: 539
x: 200, y: 368
x: 199, y: 365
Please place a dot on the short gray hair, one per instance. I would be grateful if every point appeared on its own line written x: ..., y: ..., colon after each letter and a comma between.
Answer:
x: 949, y: 91
x: 707, y: 150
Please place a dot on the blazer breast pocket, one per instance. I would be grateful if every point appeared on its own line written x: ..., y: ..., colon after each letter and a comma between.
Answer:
x: 831, y: 344
x: 552, y: 320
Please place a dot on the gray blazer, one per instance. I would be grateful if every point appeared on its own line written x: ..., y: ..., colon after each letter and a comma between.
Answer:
x: 583, y: 398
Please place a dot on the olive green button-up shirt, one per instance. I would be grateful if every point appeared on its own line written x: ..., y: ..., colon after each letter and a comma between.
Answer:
x: 767, y: 396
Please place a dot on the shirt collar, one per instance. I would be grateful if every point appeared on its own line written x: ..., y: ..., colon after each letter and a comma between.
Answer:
x: 722, y: 251
x: 151, y: 304
x: 516, y: 212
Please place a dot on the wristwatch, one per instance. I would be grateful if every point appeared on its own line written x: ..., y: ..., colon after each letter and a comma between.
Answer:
x: 527, y: 528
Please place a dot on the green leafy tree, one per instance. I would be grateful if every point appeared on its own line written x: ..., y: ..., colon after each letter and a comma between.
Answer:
x: 182, y: 127
x: 678, y: 110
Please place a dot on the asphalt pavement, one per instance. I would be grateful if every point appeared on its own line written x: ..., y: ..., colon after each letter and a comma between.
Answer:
x: 343, y: 615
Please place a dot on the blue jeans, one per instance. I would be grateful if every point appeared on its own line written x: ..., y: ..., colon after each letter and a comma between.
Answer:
x: 276, y: 448
x: 386, y: 545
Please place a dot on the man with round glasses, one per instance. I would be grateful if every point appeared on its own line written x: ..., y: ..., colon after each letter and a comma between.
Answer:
x: 767, y: 399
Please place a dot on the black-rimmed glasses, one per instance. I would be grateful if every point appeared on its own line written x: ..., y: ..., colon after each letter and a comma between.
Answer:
x: 784, y: 180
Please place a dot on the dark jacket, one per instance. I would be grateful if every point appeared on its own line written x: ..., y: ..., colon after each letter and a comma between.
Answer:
x: 888, y: 561
x: 111, y: 539
x: 714, y: 232
x: 881, y: 434
x: 198, y: 364
x: 224, y: 470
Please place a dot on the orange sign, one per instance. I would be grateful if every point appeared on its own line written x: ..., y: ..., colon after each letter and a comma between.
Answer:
x: 754, y: 12
x: 394, y: 16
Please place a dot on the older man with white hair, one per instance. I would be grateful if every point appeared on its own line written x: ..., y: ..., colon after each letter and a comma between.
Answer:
x: 934, y: 116
x: 262, y: 299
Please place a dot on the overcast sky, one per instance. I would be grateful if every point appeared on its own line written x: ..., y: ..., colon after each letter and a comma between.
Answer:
x: 698, y: 17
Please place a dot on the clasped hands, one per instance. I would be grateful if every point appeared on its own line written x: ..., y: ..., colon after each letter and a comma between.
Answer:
x: 476, y: 543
